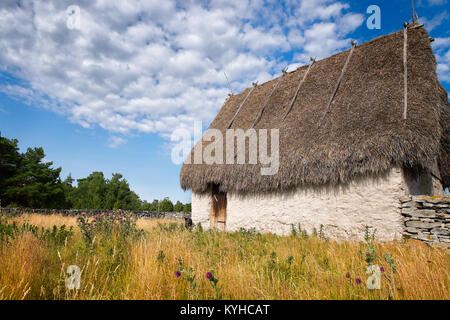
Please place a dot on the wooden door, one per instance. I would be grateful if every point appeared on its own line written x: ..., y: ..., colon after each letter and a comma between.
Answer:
x: 218, y: 208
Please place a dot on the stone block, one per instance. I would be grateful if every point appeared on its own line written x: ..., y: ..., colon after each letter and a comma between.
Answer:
x: 429, y: 205
x: 405, y: 199
x: 422, y: 224
x: 425, y: 213
x: 412, y: 230
x: 437, y: 199
x: 409, y: 210
x: 418, y: 199
x: 410, y: 204
x: 425, y: 236
x: 441, y: 231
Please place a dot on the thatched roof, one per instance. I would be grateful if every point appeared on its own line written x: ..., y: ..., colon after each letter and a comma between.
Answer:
x: 364, y: 131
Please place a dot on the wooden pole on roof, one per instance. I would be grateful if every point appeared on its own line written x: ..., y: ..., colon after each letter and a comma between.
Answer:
x: 354, y: 42
x: 312, y: 60
x: 229, y: 85
x: 261, y: 111
x: 242, y: 103
x: 342, y: 74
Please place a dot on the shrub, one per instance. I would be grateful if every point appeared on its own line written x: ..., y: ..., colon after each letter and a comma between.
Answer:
x: 56, y: 235
x: 120, y: 222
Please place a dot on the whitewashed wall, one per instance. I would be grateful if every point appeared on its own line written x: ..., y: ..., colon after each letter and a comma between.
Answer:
x: 344, y: 212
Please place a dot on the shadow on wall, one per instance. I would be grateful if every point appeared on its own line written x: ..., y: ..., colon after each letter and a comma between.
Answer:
x: 422, y: 182
x: 365, y: 180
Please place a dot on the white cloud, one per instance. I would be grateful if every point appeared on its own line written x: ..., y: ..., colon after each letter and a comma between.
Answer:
x: 422, y: 3
x: 441, y: 42
x: 151, y: 66
x: 436, y: 2
x: 435, y: 21
x: 441, y: 47
x: 115, y: 142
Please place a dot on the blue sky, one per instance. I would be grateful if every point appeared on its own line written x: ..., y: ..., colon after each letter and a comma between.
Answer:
x: 107, y: 94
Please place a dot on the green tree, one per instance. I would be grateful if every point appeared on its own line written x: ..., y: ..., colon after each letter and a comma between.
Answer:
x: 166, y: 205
x: 91, y: 192
x: 112, y: 192
x: 145, y: 206
x: 187, y: 207
x: 154, y: 206
x: 68, y: 191
x: 128, y: 199
x: 96, y: 192
x: 10, y: 159
x: 27, y: 180
x: 178, y: 207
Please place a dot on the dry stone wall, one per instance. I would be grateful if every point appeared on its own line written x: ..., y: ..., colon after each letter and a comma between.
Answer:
x: 427, y: 218
x: 73, y: 212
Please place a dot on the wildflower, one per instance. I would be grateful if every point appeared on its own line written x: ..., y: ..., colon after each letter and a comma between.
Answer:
x: 358, y: 280
x: 78, y: 218
x: 209, y: 276
x: 382, y: 269
x: 177, y: 274
x: 367, y: 253
x: 347, y: 275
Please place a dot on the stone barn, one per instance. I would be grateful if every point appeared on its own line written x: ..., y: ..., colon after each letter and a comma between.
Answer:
x: 357, y: 132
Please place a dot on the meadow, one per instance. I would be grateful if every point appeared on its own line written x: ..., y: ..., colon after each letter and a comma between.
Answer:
x: 121, y: 257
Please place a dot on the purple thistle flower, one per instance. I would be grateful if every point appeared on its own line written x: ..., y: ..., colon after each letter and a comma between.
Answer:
x: 367, y: 253
x: 382, y: 269
x: 209, y: 276
x: 347, y: 275
x: 358, y: 280
x: 177, y: 274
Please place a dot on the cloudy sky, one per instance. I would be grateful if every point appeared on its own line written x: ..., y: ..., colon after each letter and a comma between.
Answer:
x: 105, y: 91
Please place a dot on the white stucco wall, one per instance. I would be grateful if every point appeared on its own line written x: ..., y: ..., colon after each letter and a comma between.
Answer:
x: 343, y: 212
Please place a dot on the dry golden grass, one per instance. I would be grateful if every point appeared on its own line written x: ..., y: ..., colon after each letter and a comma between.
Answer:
x: 19, y: 265
x: 247, y: 266
x: 45, y: 220
x: 59, y: 220
x: 148, y: 224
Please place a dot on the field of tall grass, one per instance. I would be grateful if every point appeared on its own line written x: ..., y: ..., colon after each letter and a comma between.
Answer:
x: 121, y: 257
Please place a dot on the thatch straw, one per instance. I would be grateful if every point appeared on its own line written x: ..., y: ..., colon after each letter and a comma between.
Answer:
x: 363, y: 133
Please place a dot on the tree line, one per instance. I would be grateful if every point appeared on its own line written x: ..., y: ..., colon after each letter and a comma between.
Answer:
x: 26, y: 180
